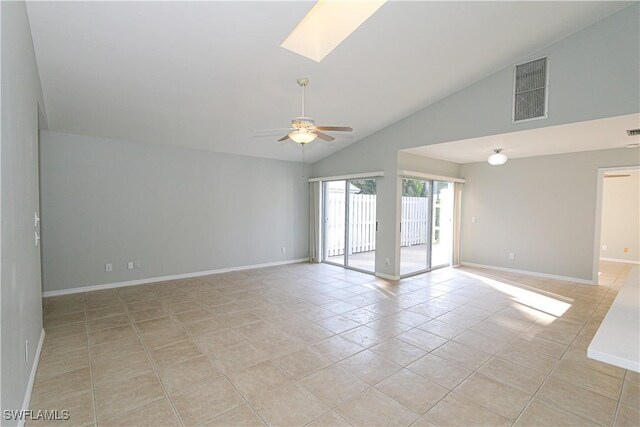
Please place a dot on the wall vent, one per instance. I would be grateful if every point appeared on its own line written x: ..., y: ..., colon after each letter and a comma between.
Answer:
x: 530, y: 90
x: 633, y: 132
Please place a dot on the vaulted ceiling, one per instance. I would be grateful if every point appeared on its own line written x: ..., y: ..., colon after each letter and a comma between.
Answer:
x: 205, y: 74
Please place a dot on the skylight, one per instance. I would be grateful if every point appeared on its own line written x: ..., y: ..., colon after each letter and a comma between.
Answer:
x: 327, y: 25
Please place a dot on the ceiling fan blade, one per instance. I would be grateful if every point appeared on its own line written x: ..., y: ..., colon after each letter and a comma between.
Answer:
x: 284, y: 138
x: 335, y: 128
x: 324, y: 136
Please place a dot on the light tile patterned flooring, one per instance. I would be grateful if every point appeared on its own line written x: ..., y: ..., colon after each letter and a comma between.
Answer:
x: 318, y: 345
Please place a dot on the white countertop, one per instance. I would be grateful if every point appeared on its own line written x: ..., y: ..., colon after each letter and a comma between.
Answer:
x: 617, y: 341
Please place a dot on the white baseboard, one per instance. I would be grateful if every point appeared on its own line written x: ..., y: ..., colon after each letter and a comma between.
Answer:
x: 165, y: 278
x: 626, y: 261
x: 387, y: 276
x: 32, y: 378
x: 530, y: 273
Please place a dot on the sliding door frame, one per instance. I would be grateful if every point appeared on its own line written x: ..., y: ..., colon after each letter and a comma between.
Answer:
x: 430, y: 181
x: 452, y: 225
x: 323, y: 229
x: 347, y: 225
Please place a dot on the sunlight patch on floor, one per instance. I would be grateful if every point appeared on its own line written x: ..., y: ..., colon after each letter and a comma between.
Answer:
x: 538, y: 301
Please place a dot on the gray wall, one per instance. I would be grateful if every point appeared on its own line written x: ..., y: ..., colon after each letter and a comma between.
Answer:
x: 593, y: 75
x: 540, y: 208
x: 175, y: 210
x: 621, y: 217
x: 21, y: 304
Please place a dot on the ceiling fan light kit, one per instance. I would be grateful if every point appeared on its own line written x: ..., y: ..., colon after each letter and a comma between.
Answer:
x: 497, y: 158
x: 302, y: 136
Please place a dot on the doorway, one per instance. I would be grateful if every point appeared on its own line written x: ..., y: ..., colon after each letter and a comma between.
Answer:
x: 426, y: 225
x: 349, y: 226
x: 618, y: 208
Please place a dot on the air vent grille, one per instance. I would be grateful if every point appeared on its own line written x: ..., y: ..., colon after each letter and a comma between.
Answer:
x: 530, y: 90
x: 633, y: 132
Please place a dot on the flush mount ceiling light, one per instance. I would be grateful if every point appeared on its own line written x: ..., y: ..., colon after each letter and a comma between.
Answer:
x: 497, y: 158
x: 327, y: 24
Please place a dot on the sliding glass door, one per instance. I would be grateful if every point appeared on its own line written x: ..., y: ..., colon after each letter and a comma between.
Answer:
x: 442, y: 224
x: 362, y: 224
x: 426, y: 226
x: 415, y: 227
x: 350, y: 223
x: 334, y: 230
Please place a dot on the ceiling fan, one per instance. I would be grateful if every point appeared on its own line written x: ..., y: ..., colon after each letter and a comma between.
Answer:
x: 303, y: 129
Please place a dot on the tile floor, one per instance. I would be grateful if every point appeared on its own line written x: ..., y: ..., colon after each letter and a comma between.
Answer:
x: 317, y: 345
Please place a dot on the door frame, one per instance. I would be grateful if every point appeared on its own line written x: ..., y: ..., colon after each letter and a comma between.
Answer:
x: 597, y: 237
x: 42, y: 125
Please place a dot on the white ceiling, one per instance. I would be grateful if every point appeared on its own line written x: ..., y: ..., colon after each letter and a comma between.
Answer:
x: 583, y: 136
x: 204, y: 74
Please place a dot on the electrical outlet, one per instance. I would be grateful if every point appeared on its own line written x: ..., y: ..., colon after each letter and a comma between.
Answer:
x: 512, y: 256
x: 473, y: 219
x: 387, y: 262
x: 136, y: 264
x: 604, y: 247
x: 26, y: 351
x: 283, y: 249
x: 108, y: 267
x: 130, y: 265
x: 626, y: 250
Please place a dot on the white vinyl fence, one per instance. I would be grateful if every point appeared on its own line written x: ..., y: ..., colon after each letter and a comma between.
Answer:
x: 362, y: 217
x: 415, y: 214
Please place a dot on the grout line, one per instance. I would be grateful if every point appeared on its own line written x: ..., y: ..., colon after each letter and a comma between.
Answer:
x: 615, y: 414
x: 93, y: 385
x: 153, y: 365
